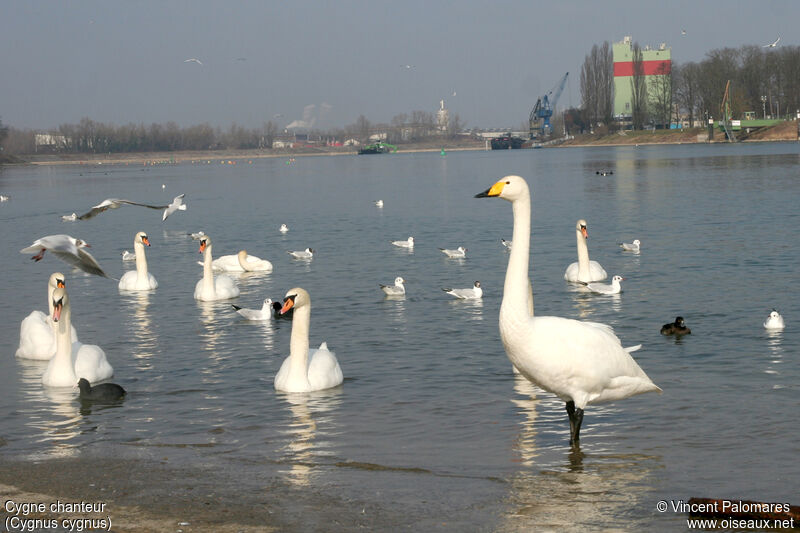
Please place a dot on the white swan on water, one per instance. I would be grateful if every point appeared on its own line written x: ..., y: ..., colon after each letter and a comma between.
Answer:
x: 139, y: 279
x: 580, y: 362
x: 584, y: 271
x: 37, y: 337
x: 305, y: 370
x: 210, y: 287
x: 241, y: 262
x: 72, y: 360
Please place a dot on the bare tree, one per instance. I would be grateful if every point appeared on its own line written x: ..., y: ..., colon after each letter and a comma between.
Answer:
x: 660, y: 93
x: 638, y: 89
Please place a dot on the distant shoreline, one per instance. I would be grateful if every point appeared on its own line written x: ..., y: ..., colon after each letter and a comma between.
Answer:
x: 785, y: 132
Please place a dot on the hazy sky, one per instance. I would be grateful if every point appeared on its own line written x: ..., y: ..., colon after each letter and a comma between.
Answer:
x: 327, y: 62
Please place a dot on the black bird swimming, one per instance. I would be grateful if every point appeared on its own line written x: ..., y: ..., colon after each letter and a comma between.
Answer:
x: 675, y: 328
x: 105, y: 392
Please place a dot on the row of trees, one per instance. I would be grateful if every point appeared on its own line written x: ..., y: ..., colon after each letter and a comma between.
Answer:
x: 89, y: 136
x: 763, y: 80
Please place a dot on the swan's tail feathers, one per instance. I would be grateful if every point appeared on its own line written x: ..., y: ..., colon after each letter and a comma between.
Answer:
x: 631, y: 349
x: 235, y: 307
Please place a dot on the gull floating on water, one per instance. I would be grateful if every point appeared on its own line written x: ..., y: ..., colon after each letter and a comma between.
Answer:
x: 398, y: 289
x: 128, y: 256
x: 265, y: 313
x: 631, y: 247
x: 4, y: 197
x: 458, y: 253
x: 774, y: 321
x: 506, y: 244
x: 607, y: 288
x: 405, y: 244
x: 68, y: 249
x: 378, y: 203
x: 284, y: 228
x: 69, y: 218
x: 197, y: 235
x: 308, y: 253
x: 472, y: 293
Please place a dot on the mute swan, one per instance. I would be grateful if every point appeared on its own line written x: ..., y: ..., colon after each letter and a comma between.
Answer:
x: 409, y: 243
x: 584, y: 271
x: 241, y: 262
x: 398, y: 289
x: 105, y: 392
x: 72, y: 359
x: 265, y: 313
x: 37, y: 335
x: 458, y: 253
x: 305, y: 370
x: 607, y: 288
x: 580, y: 362
x: 631, y: 247
x: 210, y: 288
x: 139, y: 279
x: 68, y: 249
x: 308, y: 253
x: 472, y: 293
x: 774, y: 321
x: 676, y: 328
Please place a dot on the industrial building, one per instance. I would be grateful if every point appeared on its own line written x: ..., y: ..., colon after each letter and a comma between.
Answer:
x: 656, y: 64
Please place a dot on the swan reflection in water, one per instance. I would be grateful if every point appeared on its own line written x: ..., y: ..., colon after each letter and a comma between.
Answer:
x: 141, y: 334
x: 51, y: 411
x: 313, y: 418
x: 563, y: 488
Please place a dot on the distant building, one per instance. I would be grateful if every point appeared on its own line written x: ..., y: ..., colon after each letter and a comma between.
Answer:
x: 655, y: 64
x: 442, y: 118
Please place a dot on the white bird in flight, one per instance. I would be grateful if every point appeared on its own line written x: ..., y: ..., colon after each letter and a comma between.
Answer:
x: 68, y: 249
x: 772, y: 45
x: 176, y: 205
x: 116, y: 203
x: 193, y: 60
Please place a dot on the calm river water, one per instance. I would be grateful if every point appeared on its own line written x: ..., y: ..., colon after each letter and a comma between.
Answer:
x: 430, y: 427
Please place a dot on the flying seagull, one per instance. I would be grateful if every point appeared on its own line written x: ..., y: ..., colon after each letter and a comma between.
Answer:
x: 772, y: 45
x: 176, y: 205
x: 193, y: 60
x: 116, y: 203
x: 68, y: 249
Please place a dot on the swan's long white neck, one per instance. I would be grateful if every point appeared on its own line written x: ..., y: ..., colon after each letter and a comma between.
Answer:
x: 243, y: 262
x: 583, y: 256
x: 50, y: 290
x: 62, y: 363
x: 141, y: 260
x: 517, y: 292
x: 298, y: 346
x: 208, y: 272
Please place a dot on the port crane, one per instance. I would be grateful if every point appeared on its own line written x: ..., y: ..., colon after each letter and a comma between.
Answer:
x: 543, y: 110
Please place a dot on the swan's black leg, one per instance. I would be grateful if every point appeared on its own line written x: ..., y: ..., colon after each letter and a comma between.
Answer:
x: 575, y: 420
